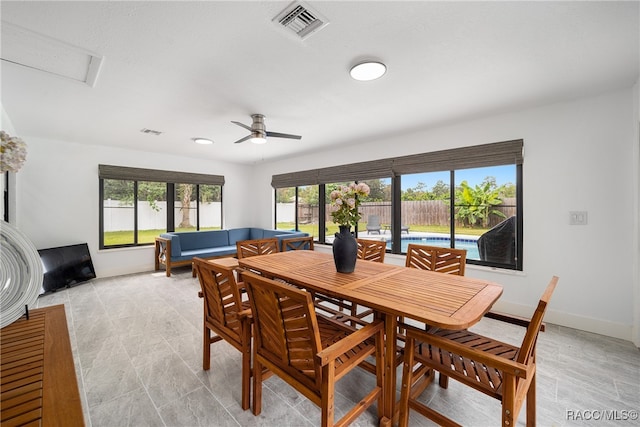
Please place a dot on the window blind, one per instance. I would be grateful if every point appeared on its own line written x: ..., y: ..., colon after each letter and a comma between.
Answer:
x: 139, y: 174
x: 494, y: 154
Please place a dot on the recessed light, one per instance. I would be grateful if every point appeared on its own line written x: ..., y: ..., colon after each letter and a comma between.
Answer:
x: 203, y: 141
x: 367, y: 71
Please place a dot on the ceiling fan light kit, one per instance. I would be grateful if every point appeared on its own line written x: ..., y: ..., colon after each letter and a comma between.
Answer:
x: 367, y: 71
x: 203, y: 141
x: 259, y: 132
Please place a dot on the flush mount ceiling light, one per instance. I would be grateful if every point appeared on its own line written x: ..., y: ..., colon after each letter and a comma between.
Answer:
x: 203, y: 141
x: 367, y: 71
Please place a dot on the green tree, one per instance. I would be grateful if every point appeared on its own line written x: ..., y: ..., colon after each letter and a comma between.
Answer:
x: 379, y: 191
x: 186, y: 195
x: 475, y: 204
x: 440, y: 191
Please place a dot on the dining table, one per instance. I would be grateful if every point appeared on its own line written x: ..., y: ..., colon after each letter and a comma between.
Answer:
x: 392, y: 291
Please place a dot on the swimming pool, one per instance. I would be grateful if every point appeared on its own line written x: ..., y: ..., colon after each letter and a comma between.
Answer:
x: 470, y: 245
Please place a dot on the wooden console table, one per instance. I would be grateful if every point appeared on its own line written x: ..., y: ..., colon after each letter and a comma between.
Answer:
x: 37, y: 373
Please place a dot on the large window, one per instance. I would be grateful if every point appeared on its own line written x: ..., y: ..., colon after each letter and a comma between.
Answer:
x: 468, y: 198
x: 136, y: 205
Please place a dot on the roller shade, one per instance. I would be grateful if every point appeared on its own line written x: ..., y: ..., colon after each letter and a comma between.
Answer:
x: 495, y: 154
x: 356, y: 171
x: 295, y: 179
x: 139, y: 174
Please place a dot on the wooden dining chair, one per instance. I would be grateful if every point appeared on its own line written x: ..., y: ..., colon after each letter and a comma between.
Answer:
x: 371, y: 250
x: 434, y: 258
x: 307, y: 351
x: 297, y: 243
x: 500, y: 370
x: 254, y: 247
x: 226, y: 315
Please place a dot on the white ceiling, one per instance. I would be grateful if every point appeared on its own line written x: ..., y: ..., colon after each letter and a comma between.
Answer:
x: 188, y: 69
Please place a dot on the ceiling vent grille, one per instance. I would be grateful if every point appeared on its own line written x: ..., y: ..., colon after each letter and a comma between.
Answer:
x: 301, y: 20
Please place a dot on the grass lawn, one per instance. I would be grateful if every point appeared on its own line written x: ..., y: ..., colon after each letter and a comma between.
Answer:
x: 115, y: 238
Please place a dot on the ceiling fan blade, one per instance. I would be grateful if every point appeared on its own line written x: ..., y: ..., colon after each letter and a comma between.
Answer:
x: 283, y: 135
x: 242, y: 125
x: 242, y: 139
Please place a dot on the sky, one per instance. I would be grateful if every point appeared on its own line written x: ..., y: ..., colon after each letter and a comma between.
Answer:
x: 503, y: 174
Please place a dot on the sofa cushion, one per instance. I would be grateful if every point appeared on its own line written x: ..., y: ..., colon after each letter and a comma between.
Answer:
x: 190, y: 240
x: 238, y: 234
x: 176, y: 249
x: 206, y: 252
x: 256, y: 233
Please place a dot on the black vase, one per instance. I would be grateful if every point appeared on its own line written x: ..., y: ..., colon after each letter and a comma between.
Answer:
x: 345, y: 250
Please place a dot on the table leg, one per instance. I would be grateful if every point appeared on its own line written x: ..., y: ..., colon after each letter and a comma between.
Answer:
x: 390, y: 334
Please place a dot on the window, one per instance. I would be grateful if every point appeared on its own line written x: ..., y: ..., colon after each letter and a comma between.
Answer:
x: 483, y: 198
x: 136, y: 205
x: 297, y: 209
x: 468, y: 198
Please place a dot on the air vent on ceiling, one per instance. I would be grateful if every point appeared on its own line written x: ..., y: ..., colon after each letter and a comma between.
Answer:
x: 150, y: 131
x: 26, y: 48
x: 301, y: 20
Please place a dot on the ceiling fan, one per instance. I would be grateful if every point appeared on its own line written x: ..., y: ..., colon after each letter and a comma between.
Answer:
x: 259, y: 133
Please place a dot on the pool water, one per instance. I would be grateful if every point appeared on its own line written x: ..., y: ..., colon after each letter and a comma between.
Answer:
x: 469, y: 244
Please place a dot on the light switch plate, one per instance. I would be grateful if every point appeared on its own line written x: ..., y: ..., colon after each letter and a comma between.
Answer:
x: 578, y: 218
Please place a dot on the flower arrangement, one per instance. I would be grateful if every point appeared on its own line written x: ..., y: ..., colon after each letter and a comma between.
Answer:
x: 13, y: 152
x: 345, y: 202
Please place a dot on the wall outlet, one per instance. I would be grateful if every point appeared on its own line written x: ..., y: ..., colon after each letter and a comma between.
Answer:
x: 578, y: 218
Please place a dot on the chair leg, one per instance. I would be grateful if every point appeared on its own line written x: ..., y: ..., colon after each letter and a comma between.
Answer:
x: 257, y: 386
x: 443, y: 380
x: 328, y: 394
x: 407, y: 374
x: 531, y: 402
x: 246, y: 379
x: 206, y: 349
x: 508, y: 399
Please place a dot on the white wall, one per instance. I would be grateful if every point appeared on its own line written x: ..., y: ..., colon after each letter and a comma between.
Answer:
x: 578, y: 156
x: 57, y: 197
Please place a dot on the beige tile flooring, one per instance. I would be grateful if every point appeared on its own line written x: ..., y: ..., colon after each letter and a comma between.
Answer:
x: 137, y: 348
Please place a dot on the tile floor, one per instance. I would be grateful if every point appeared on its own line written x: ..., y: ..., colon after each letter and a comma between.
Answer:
x: 137, y: 348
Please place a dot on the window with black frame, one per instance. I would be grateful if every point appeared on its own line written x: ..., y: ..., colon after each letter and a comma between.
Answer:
x: 466, y: 198
x: 136, y: 205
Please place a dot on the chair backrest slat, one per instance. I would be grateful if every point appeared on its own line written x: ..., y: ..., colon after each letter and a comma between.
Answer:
x: 371, y: 250
x: 434, y: 258
x: 297, y: 243
x: 255, y: 247
x: 527, y: 349
x: 285, y: 328
x: 221, y: 296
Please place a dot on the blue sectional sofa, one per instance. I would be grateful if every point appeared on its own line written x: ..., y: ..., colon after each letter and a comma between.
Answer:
x: 177, y: 249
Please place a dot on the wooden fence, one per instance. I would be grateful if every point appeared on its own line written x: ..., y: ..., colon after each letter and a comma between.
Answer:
x: 421, y: 212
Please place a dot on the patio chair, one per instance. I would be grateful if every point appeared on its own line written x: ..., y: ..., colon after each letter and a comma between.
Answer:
x: 373, y: 224
x: 309, y: 352
x: 297, y: 243
x: 435, y: 258
x: 226, y: 315
x: 247, y: 248
x: 500, y: 370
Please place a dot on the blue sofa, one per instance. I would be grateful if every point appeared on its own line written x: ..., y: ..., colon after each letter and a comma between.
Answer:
x: 175, y: 249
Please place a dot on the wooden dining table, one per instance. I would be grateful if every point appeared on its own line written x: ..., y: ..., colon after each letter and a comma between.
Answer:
x: 436, y: 299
